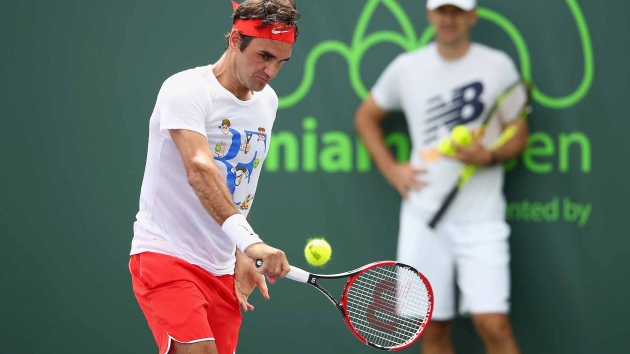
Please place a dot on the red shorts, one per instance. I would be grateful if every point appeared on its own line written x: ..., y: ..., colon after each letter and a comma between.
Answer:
x: 185, y: 303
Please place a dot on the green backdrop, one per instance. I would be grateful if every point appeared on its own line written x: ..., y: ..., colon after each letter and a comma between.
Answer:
x: 78, y: 82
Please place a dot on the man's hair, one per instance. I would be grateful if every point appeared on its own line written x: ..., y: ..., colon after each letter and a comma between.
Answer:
x: 269, y: 12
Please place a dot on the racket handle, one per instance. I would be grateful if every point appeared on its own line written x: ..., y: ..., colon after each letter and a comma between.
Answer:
x: 295, y: 274
x: 443, y: 208
x: 299, y: 275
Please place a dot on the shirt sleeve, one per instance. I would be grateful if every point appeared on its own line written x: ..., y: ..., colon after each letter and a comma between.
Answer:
x: 386, y: 91
x: 510, y: 76
x: 180, y: 105
x: 510, y: 73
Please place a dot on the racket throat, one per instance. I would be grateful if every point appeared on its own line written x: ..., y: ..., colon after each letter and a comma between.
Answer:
x: 312, y: 280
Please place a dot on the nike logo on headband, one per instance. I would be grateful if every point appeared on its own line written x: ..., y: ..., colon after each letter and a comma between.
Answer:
x: 275, y: 31
x: 246, y: 229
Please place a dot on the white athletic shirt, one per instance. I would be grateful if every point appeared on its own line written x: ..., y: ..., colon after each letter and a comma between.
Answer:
x: 171, y: 219
x: 436, y: 95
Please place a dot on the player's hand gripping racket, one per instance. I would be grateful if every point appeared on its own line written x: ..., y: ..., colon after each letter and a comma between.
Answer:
x: 387, y: 305
x: 513, y: 102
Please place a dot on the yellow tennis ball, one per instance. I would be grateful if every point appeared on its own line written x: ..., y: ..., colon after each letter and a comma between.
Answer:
x: 461, y: 135
x: 317, y: 252
x: 447, y: 148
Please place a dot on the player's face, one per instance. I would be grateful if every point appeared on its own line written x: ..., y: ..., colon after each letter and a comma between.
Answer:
x: 452, y: 24
x: 261, y: 61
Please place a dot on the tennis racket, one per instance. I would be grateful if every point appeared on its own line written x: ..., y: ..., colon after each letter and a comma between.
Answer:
x: 386, y: 305
x: 513, y: 102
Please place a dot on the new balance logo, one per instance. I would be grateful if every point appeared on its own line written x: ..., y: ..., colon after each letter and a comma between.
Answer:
x: 464, y: 107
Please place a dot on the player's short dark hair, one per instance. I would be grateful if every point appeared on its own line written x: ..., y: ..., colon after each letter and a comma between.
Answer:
x: 269, y: 12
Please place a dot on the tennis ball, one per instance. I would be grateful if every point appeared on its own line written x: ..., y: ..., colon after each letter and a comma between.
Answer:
x: 317, y: 252
x: 447, y: 148
x: 217, y: 148
x: 461, y: 135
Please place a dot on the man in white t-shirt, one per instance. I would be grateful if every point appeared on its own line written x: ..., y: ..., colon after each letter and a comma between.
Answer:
x: 447, y: 83
x: 193, y: 249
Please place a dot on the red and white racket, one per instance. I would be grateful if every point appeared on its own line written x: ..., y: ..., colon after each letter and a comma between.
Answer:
x: 387, y: 305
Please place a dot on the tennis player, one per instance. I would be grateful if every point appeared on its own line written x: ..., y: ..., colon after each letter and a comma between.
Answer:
x: 449, y: 82
x: 192, y: 250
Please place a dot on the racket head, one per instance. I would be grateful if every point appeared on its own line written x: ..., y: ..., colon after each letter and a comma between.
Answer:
x: 387, y: 305
x: 514, y: 102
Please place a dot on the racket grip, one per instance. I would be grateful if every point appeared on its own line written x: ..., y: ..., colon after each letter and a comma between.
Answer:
x: 295, y: 274
x: 299, y: 275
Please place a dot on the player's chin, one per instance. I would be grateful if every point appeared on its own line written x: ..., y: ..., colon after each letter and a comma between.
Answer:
x: 449, y: 37
x: 259, y: 84
x: 448, y: 41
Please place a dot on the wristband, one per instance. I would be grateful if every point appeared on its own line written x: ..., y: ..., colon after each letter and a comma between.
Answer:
x: 241, y: 233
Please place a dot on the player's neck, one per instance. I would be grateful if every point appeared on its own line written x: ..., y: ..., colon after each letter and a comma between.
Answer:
x: 454, y: 51
x: 224, y: 71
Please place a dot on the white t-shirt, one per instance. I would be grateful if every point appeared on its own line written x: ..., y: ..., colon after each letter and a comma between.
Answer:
x: 436, y: 95
x: 171, y: 219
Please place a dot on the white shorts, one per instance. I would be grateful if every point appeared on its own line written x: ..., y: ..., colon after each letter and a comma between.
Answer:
x: 475, y: 255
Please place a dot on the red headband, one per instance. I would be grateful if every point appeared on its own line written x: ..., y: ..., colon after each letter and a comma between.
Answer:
x: 276, y: 31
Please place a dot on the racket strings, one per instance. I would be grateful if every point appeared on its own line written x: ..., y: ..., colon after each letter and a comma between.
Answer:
x: 509, y: 105
x: 391, y: 303
x: 385, y: 318
x: 388, y: 305
x: 382, y: 325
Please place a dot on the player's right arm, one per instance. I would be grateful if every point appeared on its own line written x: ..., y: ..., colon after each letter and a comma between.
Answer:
x: 203, y: 175
x: 209, y: 186
x: 367, y: 122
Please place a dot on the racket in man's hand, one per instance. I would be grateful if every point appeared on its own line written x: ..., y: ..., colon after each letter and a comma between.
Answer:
x: 386, y: 305
x: 513, y: 102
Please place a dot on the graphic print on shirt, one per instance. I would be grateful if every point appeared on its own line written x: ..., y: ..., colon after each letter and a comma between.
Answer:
x: 246, y: 146
x: 464, y: 107
x: 245, y: 204
x: 220, y: 148
x: 242, y: 172
x: 262, y: 136
x: 225, y: 126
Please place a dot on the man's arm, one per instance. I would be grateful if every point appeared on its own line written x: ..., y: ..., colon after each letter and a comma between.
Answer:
x: 515, y: 146
x: 476, y: 154
x: 203, y: 175
x: 211, y: 189
x: 246, y: 278
x: 367, y: 122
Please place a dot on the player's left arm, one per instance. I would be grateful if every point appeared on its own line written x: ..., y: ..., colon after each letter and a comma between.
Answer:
x: 515, y: 146
x: 246, y: 278
x: 477, y: 154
